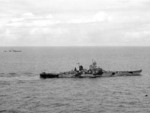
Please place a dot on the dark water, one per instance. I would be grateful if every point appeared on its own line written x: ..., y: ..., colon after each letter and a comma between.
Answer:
x: 21, y: 90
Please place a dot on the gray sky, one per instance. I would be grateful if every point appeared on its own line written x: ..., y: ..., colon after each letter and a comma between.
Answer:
x: 74, y: 22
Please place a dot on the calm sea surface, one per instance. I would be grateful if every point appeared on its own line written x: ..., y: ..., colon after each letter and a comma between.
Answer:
x: 22, y: 91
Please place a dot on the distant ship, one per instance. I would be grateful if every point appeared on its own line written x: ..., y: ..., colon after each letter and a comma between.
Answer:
x: 12, y: 50
x: 92, y: 72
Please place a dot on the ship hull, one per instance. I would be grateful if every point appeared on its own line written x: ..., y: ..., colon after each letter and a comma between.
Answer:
x: 89, y: 75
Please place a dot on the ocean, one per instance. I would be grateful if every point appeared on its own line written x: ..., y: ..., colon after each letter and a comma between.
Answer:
x: 22, y: 91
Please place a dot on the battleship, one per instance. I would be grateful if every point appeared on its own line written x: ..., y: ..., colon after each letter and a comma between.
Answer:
x: 93, y: 72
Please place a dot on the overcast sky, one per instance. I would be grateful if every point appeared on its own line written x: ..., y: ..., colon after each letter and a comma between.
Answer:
x: 74, y: 22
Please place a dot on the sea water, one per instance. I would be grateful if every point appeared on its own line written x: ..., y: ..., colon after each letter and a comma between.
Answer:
x: 22, y: 91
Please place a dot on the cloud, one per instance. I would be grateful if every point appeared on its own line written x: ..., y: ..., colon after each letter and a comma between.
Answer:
x: 100, y: 28
x: 74, y: 22
x: 92, y: 18
x: 31, y: 20
x: 137, y: 36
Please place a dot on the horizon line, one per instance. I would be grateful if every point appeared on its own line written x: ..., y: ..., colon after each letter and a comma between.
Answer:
x: 84, y: 46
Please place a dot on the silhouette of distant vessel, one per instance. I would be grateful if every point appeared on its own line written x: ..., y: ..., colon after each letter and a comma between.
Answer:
x: 12, y: 50
x: 92, y: 72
